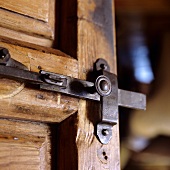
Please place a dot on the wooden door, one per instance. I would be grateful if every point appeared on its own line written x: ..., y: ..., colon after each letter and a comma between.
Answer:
x: 47, y: 130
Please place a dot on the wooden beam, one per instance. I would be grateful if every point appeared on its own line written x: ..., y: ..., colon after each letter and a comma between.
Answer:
x: 31, y: 104
x: 19, y: 36
x: 78, y: 146
x: 37, y: 47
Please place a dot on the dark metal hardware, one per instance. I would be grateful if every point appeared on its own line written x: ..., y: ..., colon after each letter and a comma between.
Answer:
x: 104, y: 89
x: 5, y: 59
x: 52, y: 78
x: 111, y: 97
x: 109, y: 106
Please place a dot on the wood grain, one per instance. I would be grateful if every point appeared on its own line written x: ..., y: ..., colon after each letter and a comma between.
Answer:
x: 58, y: 62
x: 95, y: 39
x: 97, y: 42
x: 31, y: 104
x: 24, y: 24
x: 33, y: 23
x: 24, y: 145
x: 25, y: 38
x: 36, y: 9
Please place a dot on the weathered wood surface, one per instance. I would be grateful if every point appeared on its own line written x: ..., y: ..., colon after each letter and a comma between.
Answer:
x: 36, y: 9
x: 21, y: 23
x: 24, y: 145
x: 31, y: 104
x: 78, y: 147
x: 15, y: 35
x: 9, y: 40
x: 32, y: 23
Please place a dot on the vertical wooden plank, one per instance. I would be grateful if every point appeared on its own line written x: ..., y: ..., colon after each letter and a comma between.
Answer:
x: 95, y: 39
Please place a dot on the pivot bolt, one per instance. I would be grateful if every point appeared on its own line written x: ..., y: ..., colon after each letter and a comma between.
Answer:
x: 104, y: 85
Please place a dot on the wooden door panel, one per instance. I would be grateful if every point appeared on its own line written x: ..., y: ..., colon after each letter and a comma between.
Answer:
x: 21, y: 102
x: 38, y: 9
x: 22, y: 37
x: 24, y: 145
x: 23, y: 24
x: 28, y: 20
x: 87, y: 33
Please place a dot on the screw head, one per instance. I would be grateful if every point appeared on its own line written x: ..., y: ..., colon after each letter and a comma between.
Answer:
x: 103, y: 66
x: 4, y: 55
x: 105, y: 132
x: 3, y: 52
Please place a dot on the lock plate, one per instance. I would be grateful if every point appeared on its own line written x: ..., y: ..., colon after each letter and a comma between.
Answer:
x: 111, y: 99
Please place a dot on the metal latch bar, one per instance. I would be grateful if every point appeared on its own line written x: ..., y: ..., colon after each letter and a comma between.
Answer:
x: 72, y: 86
x: 125, y: 98
x: 104, y: 89
x: 20, y: 75
x: 131, y: 99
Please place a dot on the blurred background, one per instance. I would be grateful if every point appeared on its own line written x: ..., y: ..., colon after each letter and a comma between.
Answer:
x: 143, y: 50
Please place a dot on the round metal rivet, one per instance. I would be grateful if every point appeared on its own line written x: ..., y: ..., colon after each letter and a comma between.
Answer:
x: 104, y: 85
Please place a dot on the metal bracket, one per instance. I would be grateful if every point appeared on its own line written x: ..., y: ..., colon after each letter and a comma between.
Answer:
x: 107, y: 87
x: 104, y: 89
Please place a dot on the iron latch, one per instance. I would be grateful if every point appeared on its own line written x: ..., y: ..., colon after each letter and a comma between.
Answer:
x: 104, y: 89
